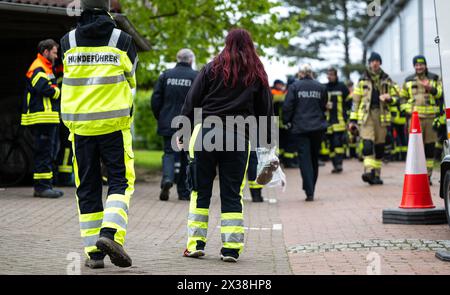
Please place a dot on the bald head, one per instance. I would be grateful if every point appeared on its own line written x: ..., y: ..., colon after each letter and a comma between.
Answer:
x: 185, y: 55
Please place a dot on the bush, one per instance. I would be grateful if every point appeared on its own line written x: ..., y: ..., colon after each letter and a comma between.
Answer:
x: 145, y: 124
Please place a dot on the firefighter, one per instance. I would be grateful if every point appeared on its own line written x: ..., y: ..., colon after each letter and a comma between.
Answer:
x: 422, y: 93
x: 255, y: 188
x: 352, y: 136
x: 371, y: 100
x: 97, y: 105
x: 63, y: 167
x: 440, y: 126
x: 337, y: 117
x: 167, y: 101
x: 399, y: 130
x: 224, y: 91
x: 40, y: 111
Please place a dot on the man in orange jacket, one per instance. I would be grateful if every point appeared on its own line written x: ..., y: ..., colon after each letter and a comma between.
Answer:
x: 40, y: 111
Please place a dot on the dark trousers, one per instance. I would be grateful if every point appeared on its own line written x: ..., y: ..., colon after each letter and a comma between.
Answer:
x: 65, y: 155
x: 401, y: 141
x: 174, y: 168
x: 337, y: 151
x: 308, y: 153
x: 232, y: 170
x: 114, y: 150
x: 45, y: 137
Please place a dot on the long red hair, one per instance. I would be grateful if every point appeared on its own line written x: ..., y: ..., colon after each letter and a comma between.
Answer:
x: 239, y: 57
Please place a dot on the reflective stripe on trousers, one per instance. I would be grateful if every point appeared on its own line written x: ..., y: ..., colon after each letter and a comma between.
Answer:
x: 232, y: 223
x: 112, y: 219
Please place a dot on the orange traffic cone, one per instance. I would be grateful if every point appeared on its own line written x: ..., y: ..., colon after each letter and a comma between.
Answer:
x: 416, y: 186
x: 416, y: 206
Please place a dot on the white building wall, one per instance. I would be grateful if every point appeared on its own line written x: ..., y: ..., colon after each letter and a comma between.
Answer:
x: 410, y: 36
x: 400, y: 41
x: 430, y: 47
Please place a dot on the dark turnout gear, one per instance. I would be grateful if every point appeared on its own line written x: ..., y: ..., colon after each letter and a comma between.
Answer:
x: 99, y: 71
x: 40, y: 111
x: 43, y: 155
x: 41, y: 101
x: 337, y: 117
x: 169, y: 95
x: 305, y: 105
x: 216, y: 99
x: 305, y: 110
x: 252, y: 173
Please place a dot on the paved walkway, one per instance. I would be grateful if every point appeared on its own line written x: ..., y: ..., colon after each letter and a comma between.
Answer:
x: 284, y: 235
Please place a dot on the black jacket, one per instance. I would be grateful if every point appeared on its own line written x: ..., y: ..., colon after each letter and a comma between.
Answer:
x: 216, y: 99
x: 305, y: 106
x: 169, y: 95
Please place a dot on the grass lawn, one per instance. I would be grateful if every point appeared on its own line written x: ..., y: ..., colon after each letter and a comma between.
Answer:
x: 148, y: 160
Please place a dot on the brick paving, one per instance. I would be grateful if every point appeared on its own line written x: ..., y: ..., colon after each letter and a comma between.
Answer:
x: 347, y: 214
x: 39, y: 234
x: 339, y: 233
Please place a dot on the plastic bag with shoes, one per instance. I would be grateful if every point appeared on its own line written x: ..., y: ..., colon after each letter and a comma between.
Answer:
x: 269, y: 171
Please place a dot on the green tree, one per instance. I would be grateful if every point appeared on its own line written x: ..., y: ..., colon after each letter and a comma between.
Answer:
x: 201, y: 25
x: 325, y: 23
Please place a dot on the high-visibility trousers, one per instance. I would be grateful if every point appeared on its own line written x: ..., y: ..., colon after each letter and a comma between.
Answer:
x: 202, y: 172
x: 115, y: 152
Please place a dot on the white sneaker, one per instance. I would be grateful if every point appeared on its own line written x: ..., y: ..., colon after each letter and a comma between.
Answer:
x: 228, y: 258
x: 194, y: 254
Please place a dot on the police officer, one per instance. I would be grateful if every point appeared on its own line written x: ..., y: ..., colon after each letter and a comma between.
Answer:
x: 421, y: 93
x: 373, y: 95
x: 304, y: 110
x: 40, y: 111
x: 99, y: 72
x: 167, y: 101
x: 337, y: 118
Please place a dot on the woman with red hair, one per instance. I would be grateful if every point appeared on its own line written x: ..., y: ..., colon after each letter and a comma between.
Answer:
x: 233, y: 84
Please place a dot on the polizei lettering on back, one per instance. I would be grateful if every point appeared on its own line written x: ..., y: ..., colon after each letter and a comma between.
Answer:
x: 89, y: 58
x: 309, y: 94
x: 179, y: 82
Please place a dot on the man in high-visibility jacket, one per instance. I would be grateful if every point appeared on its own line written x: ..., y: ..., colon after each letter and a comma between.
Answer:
x: 99, y: 74
x: 421, y: 93
x: 40, y: 111
x: 371, y: 100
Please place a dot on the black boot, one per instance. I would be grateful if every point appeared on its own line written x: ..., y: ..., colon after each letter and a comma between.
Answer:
x: 256, y: 195
x: 165, y: 191
x: 369, y: 177
x: 377, y: 179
